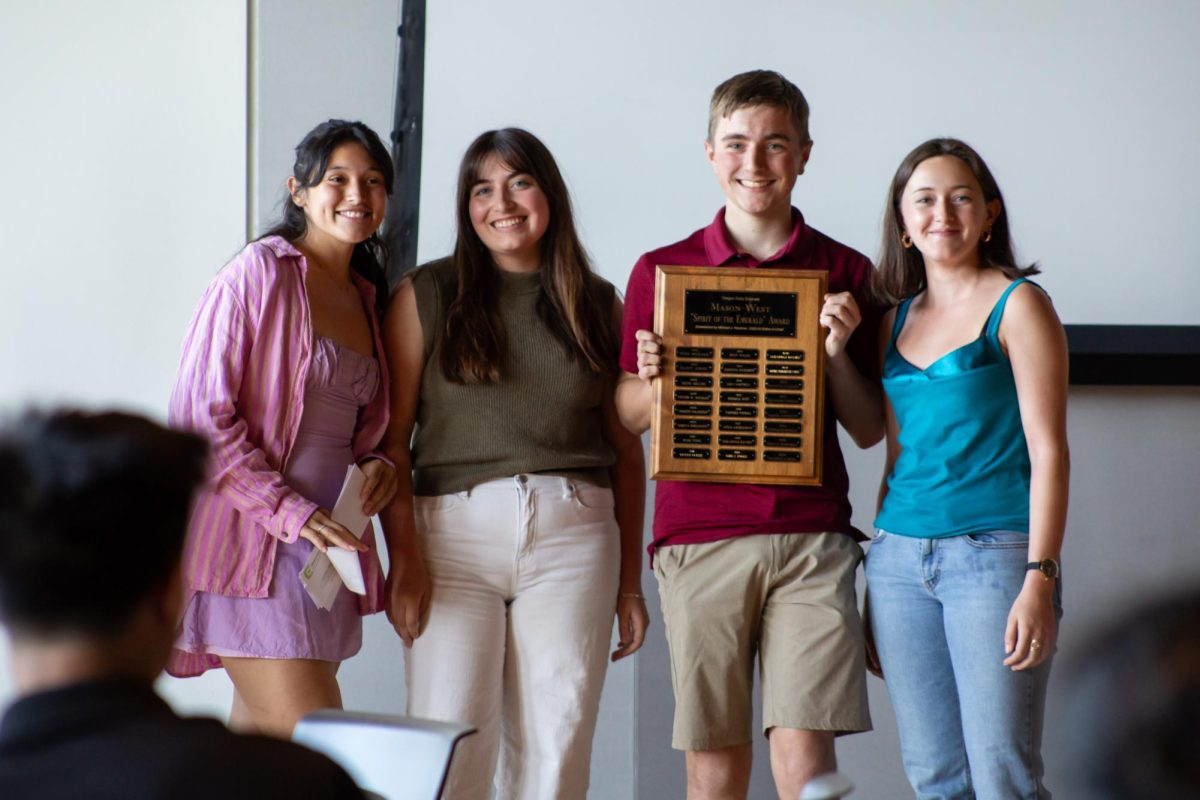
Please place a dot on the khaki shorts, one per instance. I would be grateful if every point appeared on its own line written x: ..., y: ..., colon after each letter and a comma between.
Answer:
x: 787, y: 598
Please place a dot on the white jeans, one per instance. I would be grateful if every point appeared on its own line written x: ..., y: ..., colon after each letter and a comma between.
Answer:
x: 525, y: 574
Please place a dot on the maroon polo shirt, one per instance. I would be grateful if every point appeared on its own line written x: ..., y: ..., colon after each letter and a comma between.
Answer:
x: 690, y: 512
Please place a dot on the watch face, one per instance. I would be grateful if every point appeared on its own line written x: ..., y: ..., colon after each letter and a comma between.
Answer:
x: 1049, y: 568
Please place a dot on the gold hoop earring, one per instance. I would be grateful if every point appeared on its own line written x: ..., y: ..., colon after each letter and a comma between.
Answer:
x: 905, y: 239
x: 987, y: 236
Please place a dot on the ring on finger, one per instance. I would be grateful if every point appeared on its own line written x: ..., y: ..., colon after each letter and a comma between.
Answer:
x: 1035, y: 644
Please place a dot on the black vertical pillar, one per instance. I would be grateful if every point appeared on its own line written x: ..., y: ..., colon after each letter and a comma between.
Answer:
x: 404, y: 207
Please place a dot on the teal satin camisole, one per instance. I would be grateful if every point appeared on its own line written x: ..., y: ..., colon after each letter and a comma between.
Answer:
x: 963, y: 464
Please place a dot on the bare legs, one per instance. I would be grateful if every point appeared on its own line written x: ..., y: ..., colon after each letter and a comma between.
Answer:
x: 797, y: 756
x: 271, y: 695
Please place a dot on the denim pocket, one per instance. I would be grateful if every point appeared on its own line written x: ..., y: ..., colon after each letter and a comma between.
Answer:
x: 440, y: 502
x: 586, y: 495
x: 998, y: 540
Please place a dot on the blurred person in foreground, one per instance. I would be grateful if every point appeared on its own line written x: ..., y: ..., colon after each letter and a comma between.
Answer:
x: 1133, y: 713
x: 93, y: 509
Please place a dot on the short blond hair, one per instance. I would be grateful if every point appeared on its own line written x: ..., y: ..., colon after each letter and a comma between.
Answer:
x: 760, y: 87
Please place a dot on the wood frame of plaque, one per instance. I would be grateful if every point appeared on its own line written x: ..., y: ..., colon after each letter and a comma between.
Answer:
x: 742, y: 390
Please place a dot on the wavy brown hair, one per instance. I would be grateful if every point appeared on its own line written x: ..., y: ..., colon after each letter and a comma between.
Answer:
x: 901, y: 270
x: 474, y: 340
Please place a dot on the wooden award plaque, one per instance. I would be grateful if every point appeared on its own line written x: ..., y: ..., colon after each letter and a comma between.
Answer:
x: 741, y: 395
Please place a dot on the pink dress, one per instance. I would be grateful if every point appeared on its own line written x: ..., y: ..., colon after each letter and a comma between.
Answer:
x: 286, y: 623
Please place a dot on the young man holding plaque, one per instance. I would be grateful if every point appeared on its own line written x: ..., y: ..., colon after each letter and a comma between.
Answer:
x: 749, y: 570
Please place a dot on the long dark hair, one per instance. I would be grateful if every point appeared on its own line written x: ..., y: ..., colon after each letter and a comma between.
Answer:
x: 474, y: 343
x: 369, y: 258
x: 901, y: 270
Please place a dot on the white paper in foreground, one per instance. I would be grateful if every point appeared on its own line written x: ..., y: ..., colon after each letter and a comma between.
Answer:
x: 325, y: 573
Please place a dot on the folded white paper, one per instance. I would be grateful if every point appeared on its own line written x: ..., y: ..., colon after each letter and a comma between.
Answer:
x: 325, y: 573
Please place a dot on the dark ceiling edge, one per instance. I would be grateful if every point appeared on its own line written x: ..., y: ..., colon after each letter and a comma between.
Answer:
x: 1134, y: 355
x: 403, y: 213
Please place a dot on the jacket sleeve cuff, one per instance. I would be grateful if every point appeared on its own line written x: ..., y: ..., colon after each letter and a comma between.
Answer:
x: 293, y: 513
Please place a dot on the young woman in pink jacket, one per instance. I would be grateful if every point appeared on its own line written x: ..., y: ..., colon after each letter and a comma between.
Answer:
x: 283, y: 371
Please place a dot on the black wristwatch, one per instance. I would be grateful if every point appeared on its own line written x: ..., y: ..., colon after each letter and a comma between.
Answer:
x: 1047, y: 566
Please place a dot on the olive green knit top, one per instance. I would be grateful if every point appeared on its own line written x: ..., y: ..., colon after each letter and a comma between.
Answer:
x: 543, y: 416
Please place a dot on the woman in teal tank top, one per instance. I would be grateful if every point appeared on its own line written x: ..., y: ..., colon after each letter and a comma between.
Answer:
x: 963, y: 573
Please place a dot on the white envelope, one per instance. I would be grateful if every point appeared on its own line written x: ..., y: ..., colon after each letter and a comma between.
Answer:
x: 325, y: 573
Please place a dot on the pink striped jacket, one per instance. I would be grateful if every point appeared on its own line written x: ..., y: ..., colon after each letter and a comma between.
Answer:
x: 241, y: 384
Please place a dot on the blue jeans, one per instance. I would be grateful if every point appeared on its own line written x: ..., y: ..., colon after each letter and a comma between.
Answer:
x: 969, y: 726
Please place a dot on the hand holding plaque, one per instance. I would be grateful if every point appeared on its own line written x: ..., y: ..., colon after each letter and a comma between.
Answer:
x: 741, y: 394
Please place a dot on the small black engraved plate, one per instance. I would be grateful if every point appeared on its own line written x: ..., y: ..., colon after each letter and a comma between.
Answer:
x: 781, y: 441
x: 698, y: 453
x: 780, y: 412
x: 738, y: 368
x: 781, y: 427
x: 737, y: 425
x: 795, y: 384
x: 693, y: 382
x: 781, y: 455
x: 784, y: 369
x: 694, y: 352
x: 693, y: 366
x: 736, y: 455
x: 692, y: 396
x: 783, y: 398
x: 737, y: 440
x: 686, y: 424
x: 689, y: 410
x: 739, y: 313
x: 785, y: 355
x: 739, y: 411
x: 691, y: 438
x: 739, y: 354
x: 739, y: 383
x: 739, y: 397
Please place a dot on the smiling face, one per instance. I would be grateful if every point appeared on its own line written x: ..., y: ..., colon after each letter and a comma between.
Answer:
x: 944, y: 212
x: 509, y: 213
x: 347, y: 204
x: 756, y: 153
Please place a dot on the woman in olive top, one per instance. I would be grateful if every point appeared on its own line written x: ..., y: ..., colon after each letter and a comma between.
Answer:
x: 520, y: 532
x: 964, y: 596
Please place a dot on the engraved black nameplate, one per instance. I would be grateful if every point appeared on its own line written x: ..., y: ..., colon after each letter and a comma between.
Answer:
x: 795, y: 384
x: 691, y: 438
x: 693, y: 382
x: 780, y: 412
x: 736, y: 455
x: 739, y: 354
x: 739, y: 383
x: 781, y: 455
x: 738, y: 411
x: 693, y: 352
x: 785, y: 355
x: 781, y: 427
x: 737, y: 440
x: 739, y: 313
x: 688, y: 424
x: 782, y: 398
x: 691, y: 453
x: 692, y: 411
x: 781, y: 441
x: 693, y: 366
x: 738, y: 368
x: 737, y: 425
x: 739, y: 397
x: 692, y: 396
x: 783, y: 369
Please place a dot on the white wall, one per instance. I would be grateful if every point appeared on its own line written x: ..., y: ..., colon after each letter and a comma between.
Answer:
x: 124, y: 137
x: 126, y: 126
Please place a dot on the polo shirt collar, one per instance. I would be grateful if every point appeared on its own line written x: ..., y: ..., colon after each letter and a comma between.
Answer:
x: 57, y: 713
x: 720, y: 248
